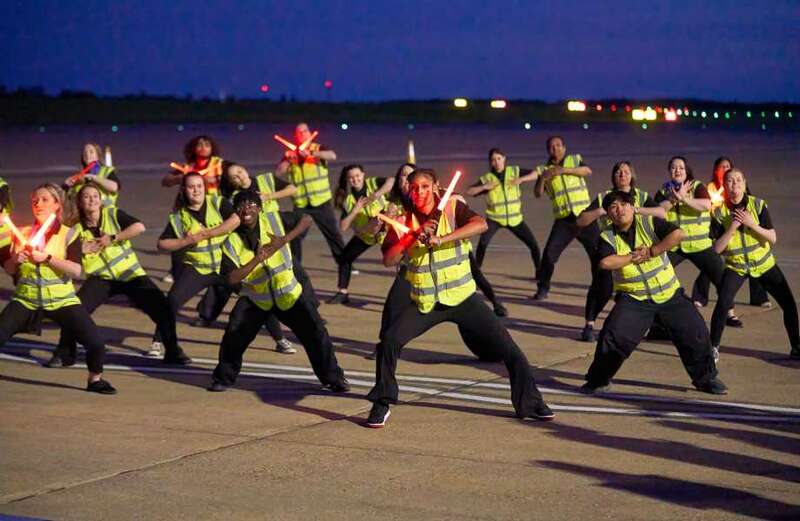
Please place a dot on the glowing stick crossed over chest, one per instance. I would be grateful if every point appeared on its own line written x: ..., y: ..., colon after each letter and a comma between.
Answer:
x: 77, y: 177
x: 291, y: 146
x: 37, y: 241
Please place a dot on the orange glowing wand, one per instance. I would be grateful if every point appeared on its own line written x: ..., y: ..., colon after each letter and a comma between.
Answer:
x: 77, y: 177
x: 400, y: 228
x: 305, y: 144
x: 717, y: 197
x: 285, y: 142
x: 37, y: 241
x: 13, y: 227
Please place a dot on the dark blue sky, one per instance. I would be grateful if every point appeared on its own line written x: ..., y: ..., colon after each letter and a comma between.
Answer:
x: 399, y: 49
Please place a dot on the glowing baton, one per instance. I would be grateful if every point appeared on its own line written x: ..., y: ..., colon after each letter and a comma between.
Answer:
x: 716, y: 196
x: 304, y: 145
x: 285, y: 142
x: 109, y: 161
x: 18, y: 234
x: 449, y: 192
x: 38, y: 238
x: 184, y: 169
x: 400, y: 228
x: 412, y: 157
x: 77, y: 177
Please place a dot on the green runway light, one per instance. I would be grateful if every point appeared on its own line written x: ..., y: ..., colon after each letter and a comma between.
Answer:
x: 763, y: 126
x: 114, y: 128
x: 749, y: 114
x: 777, y: 114
x: 585, y: 126
x: 727, y: 115
x: 716, y: 115
x: 644, y: 126
x: 763, y: 114
x: 703, y: 114
x: 790, y: 115
x: 694, y: 113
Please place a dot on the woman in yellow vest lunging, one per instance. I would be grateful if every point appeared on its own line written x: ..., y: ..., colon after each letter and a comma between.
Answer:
x: 443, y: 290
x: 746, y: 237
x: 501, y: 185
x: 42, y: 274
x: 102, y: 242
x: 360, y: 198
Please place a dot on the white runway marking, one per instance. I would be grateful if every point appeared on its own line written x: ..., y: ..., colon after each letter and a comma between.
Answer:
x: 761, y: 413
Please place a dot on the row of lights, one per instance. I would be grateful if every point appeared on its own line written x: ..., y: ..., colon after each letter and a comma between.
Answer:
x: 462, y: 103
x: 670, y: 114
x: 264, y: 87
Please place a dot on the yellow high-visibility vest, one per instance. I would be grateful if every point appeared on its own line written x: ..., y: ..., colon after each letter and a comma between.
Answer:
x: 695, y: 223
x: 568, y: 193
x: 504, y: 201
x: 205, y: 256
x: 366, y: 213
x: 117, y: 261
x: 745, y: 253
x: 311, y: 180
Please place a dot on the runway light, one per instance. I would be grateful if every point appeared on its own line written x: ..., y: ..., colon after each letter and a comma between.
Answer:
x: 460, y: 103
x: 777, y: 114
x: 637, y: 115
x: 264, y: 88
x: 180, y: 128
x: 576, y: 106
x: 41, y: 130
x: 670, y: 115
x: 763, y: 126
x: 240, y: 127
x: 328, y: 84
x: 644, y: 114
x: 727, y: 115
x: 694, y: 113
x: 716, y: 115
x: 344, y: 126
x: 599, y: 107
x: 114, y: 128
x: 749, y: 114
x: 628, y: 108
x: 613, y: 108
x: 659, y: 110
x: 763, y: 114
x: 680, y: 112
x: 498, y: 104
x: 703, y: 114
x: 410, y: 126
x: 644, y: 126
x: 790, y: 115
x: 686, y: 110
x: 527, y: 126
x: 585, y: 126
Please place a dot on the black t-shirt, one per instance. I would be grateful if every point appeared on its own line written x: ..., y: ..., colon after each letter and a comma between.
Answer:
x: 363, y: 192
x: 227, y: 191
x: 5, y: 196
x: 764, y: 219
x: 463, y: 214
x: 661, y: 228
x: 74, y: 249
x: 250, y: 238
x: 225, y: 210
x: 502, y: 175
x: 648, y: 203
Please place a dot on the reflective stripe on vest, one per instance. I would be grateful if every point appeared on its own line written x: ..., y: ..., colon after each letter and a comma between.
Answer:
x: 503, y: 202
x: 745, y: 254
x: 270, y: 282
x: 654, y: 279
x: 39, y: 285
x: 368, y: 212
x: 440, y: 273
x: 206, y: 255
x: 311, y: 180
x: 116, y: 261
x: 639, y: 199
x: 568, y: 193
x: 696, y: 224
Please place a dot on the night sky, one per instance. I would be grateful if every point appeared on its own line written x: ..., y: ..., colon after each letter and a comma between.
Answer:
x: 378, y: 50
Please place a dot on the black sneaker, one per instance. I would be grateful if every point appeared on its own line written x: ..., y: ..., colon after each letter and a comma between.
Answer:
x: 339, y: 298
x: 795, y: 352
x: 734, y: 321
x: 57, y: 361
x: 378, y: 416
x: 177, y: 358
x: 588, y: 388
x: 541, y: 294
x: 101, y: 387
x: 342, y: 386
x: 500, y: 310
x: 201, y: 322
x: 713, y: 386
x: 542, y: 412
x: 587, y: 335
x: 217, y: 387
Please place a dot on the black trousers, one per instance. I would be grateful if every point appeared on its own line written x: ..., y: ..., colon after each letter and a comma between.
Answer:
x: 303, y: 319
x: 353, y: 250
x: 627, y: 324
x: 142, y: 293
x: 188, y: 284
x: 775, y: 283
x: 520, y: 231
x: 563, y: 232
x: 758, y: 295
x: 708, y: 262
x: 75, y: 319
x: 327, y: 223
x: 600, y: 291
x: 482, y: 324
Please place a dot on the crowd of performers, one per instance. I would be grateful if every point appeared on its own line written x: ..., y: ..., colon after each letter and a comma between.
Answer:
x: 226, y: 234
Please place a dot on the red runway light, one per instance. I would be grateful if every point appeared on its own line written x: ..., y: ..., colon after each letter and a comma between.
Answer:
x: 264, y: 88
x: 599, y: 107
x: 328, y: 84
x: 613, y: 108
x: 628, y: 108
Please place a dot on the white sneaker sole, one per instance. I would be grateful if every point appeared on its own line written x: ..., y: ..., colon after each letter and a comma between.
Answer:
x: 382, y: 424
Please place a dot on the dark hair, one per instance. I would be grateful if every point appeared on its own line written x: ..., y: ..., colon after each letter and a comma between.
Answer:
x: 246, y: 196
x: 430, y: 172
x: 718, y: 162
x: 396, y: 193
x: 97, y: 148
x: 495, y: 150
x: 550, y: 139
x: 180, y: 200
x: 81, y: 213
x: 616, y: 168
x: 617, y: 195
x: 189, y: 149
x: 225, y: 186
x: 689, y: 173
x: 342, y: 188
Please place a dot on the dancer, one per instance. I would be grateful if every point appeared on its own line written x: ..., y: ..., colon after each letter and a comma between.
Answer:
x: 102, y: 243
x: 269, y: 287
x: 563, y: 178
x: 360, y: 199
x: 745, y: 239
x: 502, y: 187
x: 93, y: 170
x: 635, y: 249
x: 443, y: 290
x: 43, y: 274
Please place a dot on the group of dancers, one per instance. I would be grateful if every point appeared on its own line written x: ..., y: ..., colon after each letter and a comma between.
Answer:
x: 226, y: 234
